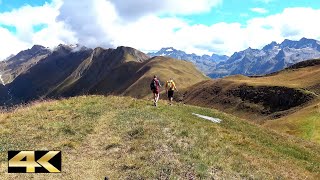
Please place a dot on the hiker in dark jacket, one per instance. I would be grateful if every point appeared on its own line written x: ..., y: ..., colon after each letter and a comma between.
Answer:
x: 155, y: 88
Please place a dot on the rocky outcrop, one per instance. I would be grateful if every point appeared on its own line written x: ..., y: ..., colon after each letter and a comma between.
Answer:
x: 232, y: 97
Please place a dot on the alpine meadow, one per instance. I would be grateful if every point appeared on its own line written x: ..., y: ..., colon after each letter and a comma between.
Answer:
x: 166, y: 90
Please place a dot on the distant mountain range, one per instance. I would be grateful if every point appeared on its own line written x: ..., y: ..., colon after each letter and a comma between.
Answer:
x: 72, y: 70
x: 205, y: 63
x: 271, y: 58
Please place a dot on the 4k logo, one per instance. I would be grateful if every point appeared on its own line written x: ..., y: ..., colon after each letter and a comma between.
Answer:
x: 34, y: 161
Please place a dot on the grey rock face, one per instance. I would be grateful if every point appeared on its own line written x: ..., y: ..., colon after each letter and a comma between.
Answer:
x: 204, y: 63
x: 271, y: 58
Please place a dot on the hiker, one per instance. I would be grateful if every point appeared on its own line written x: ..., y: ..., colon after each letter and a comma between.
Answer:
x: 155, y: 88
x: 170, y: 88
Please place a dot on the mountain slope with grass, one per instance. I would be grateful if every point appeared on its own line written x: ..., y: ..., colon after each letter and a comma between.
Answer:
x: 100, y: 66
x: 184, y: 74
x: 126, y: 138
x: 74, y: 70
x: 22, y: 62
x: 46, y: 74
x: 289, y: 98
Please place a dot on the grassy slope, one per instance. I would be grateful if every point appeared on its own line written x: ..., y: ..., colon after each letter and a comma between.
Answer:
x: 304, y: 78
x: 123, y: 138
x: 184, y: 74
x: 305, y: 122
x: 132, y: 79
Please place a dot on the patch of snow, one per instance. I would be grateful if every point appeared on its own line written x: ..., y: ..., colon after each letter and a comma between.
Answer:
x: 2, y: 80
x: 169, y: 50
x: 215, y: 120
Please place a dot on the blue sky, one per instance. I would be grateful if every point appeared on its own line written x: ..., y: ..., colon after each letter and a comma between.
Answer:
x: 228, y: 11
x: 199, y: 26
x: 241, y: 10
x: 9, y: 5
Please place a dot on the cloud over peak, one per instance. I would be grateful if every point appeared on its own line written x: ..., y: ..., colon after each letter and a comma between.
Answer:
x: 129, y: 9
x: 149, y: 25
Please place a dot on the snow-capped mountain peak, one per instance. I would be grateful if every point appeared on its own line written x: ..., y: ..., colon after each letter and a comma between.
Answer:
x: 204, y: 62
x: 271, y: 58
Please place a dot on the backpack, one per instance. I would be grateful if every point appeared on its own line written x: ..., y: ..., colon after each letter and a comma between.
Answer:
x: 153, y: 85
x: 169, y: 85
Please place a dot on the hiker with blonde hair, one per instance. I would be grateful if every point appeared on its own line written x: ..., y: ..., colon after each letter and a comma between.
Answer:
x: 170, y: 88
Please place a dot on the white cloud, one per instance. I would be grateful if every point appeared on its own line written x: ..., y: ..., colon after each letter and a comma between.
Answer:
x: 25, y: 19
x: 105, y: 23
x: 292, y: 23
x: 10, y: 44
x: 131, y: 9
x: 259, y: 10
x: 128, y: 22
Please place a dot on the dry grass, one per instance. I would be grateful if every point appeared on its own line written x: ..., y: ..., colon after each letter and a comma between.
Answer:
x: 125, y: 138
x: 184, y: 74
x: 303, y: 123
x: 303, y: 78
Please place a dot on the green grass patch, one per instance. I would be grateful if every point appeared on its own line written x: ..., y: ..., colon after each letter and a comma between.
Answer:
x: 125, y: 138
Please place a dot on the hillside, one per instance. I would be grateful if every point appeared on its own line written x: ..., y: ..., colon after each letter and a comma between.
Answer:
x: 73, y: 70
x: 100, y: 66
x: 125, y: 71
x: 184, y: 74
x: 22, y: 62
x: 47, y: 74
x: 291, y: 95
x: 3, y: 93
x: 303, y: 75
x: 125, y: 138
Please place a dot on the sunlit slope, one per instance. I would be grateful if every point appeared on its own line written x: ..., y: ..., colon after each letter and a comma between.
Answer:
x: 132, y: 79
x: 304, y: 75
x: 303, y: 123
x: 287, y: 101
x: 184, y: 74
x: 125, y: 138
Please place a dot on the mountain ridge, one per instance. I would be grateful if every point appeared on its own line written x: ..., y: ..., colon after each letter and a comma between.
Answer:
x: 71, y: 70
x: 250, y: 62
x: 271, y: 58
x: 204, y: 62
